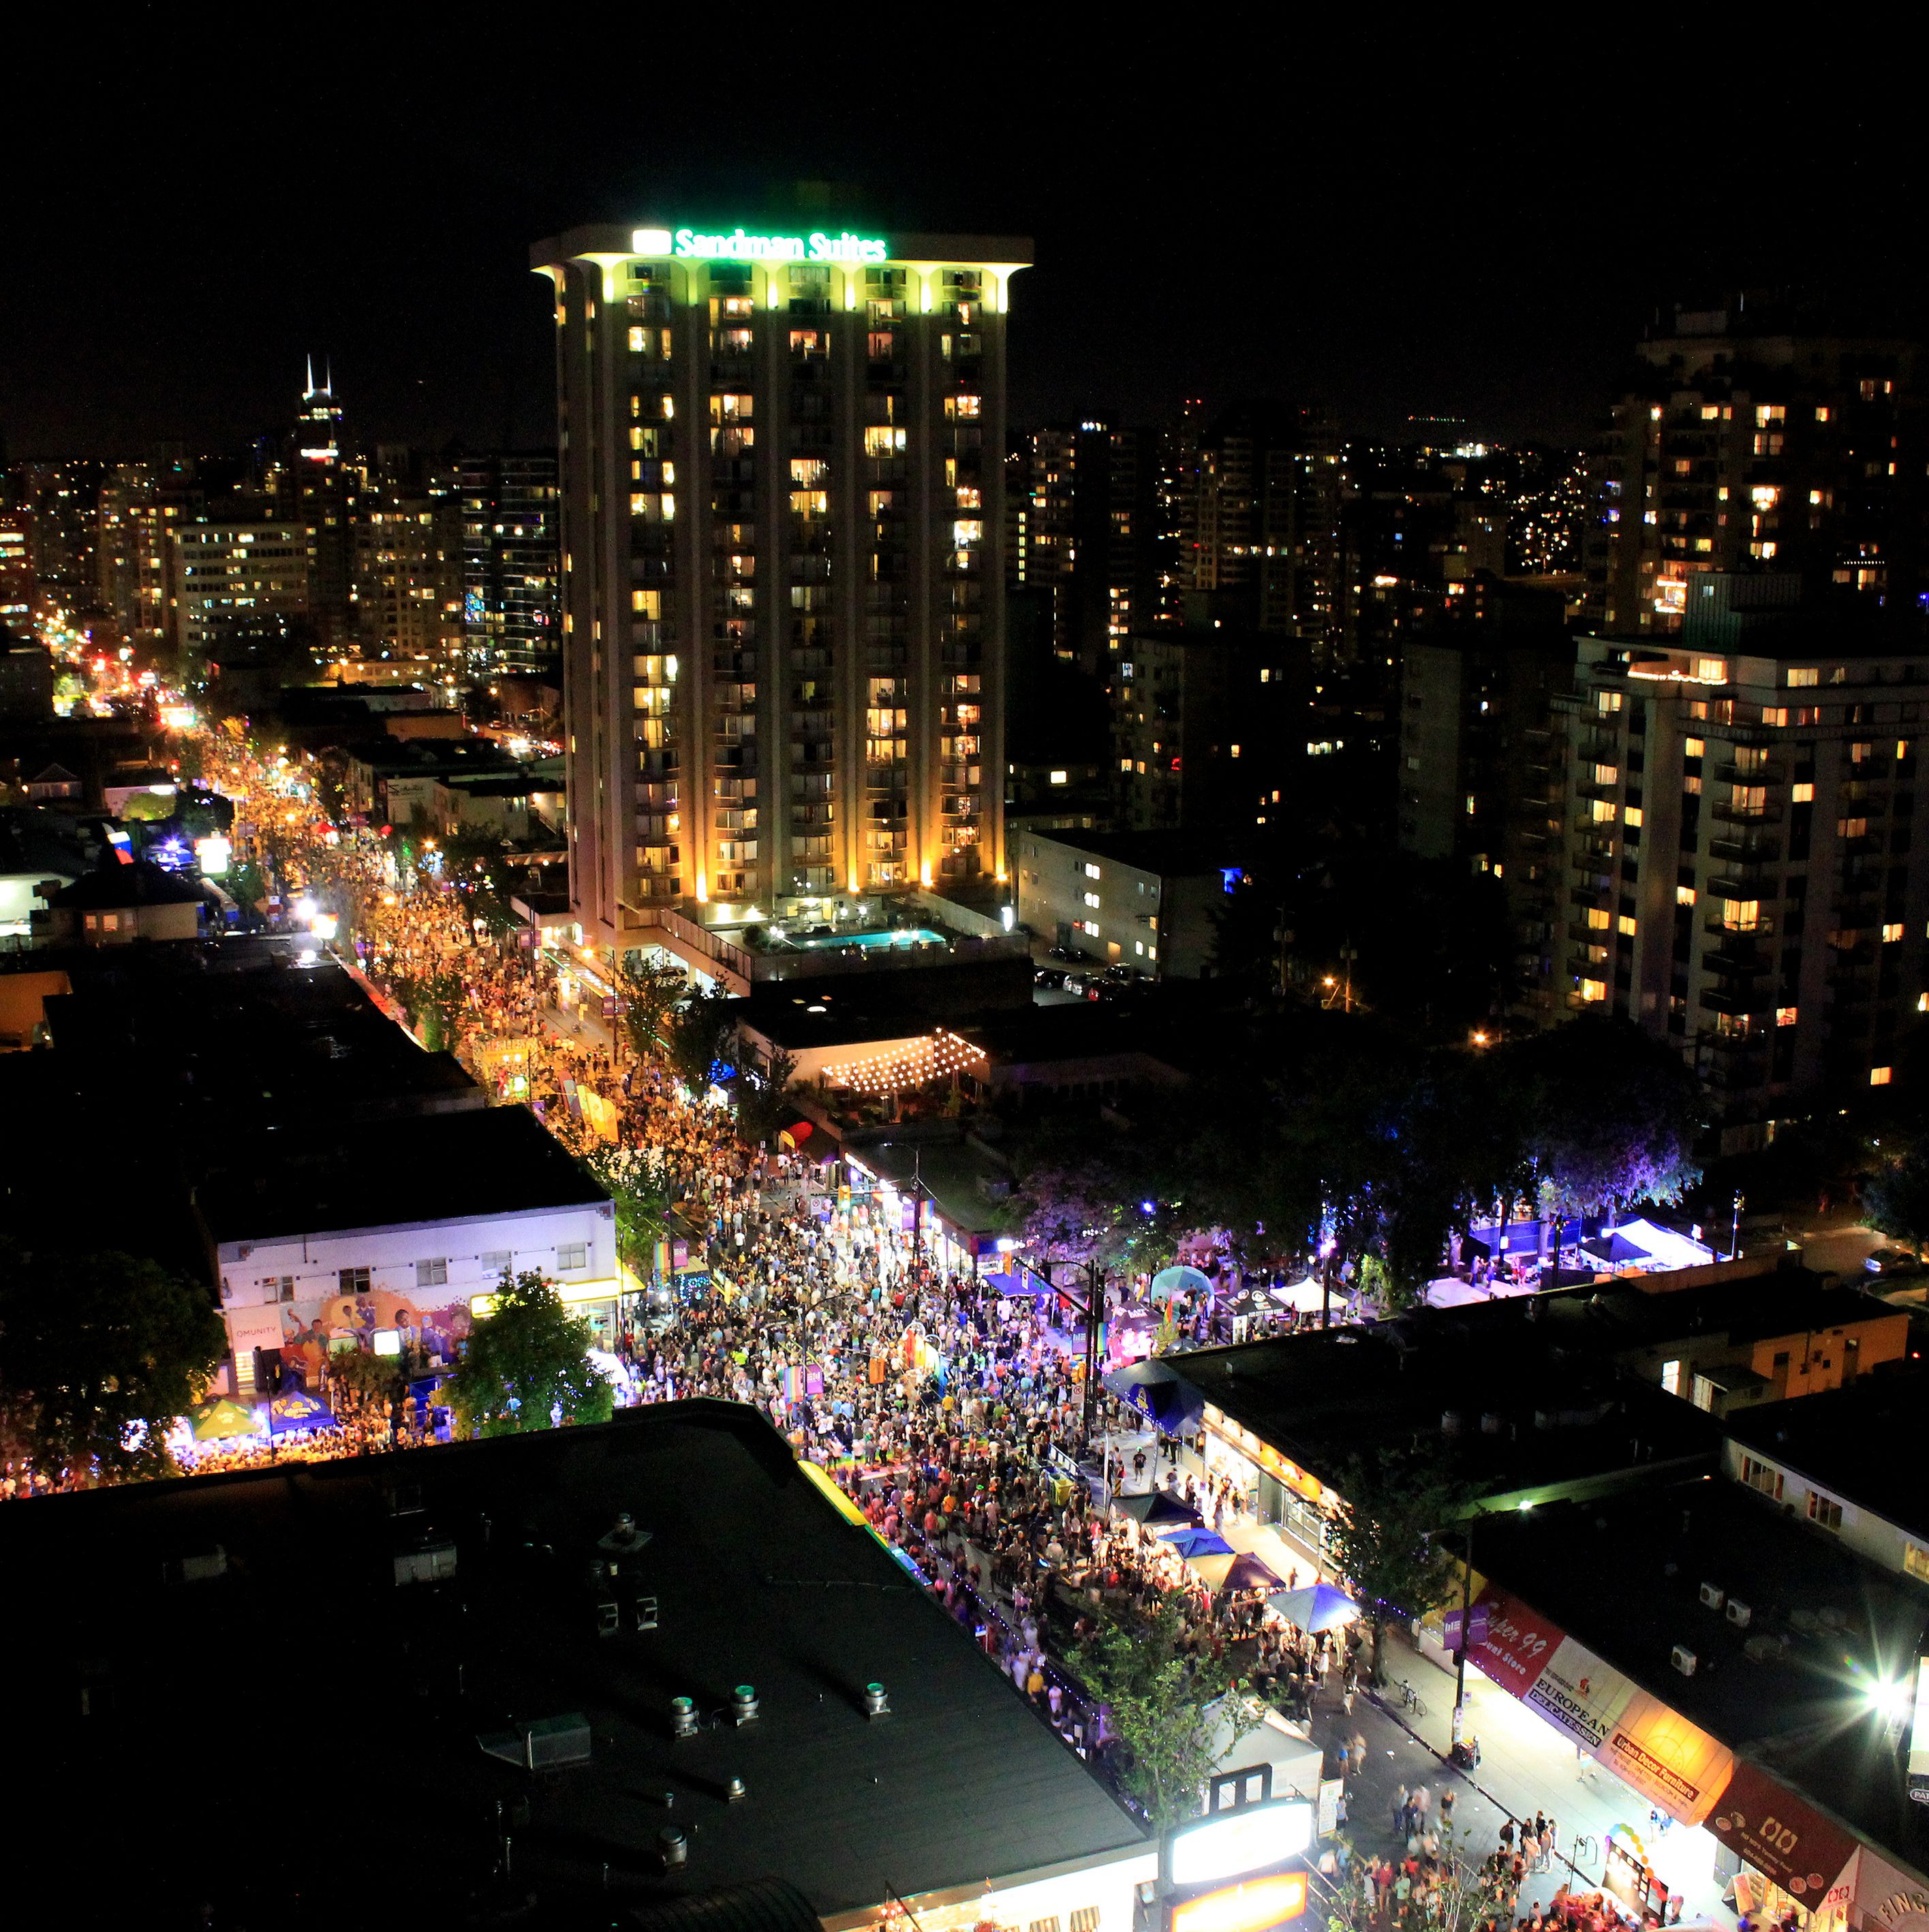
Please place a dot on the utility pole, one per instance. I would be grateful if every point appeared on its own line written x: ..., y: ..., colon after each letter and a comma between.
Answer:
x: 1466, y: 1617
x: 1095, y: 1303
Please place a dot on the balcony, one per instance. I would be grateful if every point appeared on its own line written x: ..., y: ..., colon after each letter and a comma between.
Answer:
x: 1745, y: 851
x: 1768, y: 814
x: 1736, y: 1001
x: 1761, y: 927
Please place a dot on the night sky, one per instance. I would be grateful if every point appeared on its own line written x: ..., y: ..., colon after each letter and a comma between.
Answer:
x: 197, y: 197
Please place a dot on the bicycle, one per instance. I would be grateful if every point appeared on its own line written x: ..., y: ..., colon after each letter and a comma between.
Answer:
x: 1410, y: 1698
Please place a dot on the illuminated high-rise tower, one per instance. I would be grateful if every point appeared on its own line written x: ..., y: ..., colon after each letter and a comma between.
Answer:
x: 782, y: 583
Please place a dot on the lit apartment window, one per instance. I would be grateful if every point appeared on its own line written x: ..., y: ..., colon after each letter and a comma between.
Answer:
x: 1091, y: 872
x: 1915, y: 1561
x: 1802, y: 679
x: 1633, y: 816
x: 1684, y: 896
x: 1671, y: 1377
x: 1786, y: 1015
x: 1692, y: 747
x: 1881, y: 1076
x: 1824, y: 1511
x: 1594, y: 990
x: 1605, y: 701
x: 1803, y: 793
x: 1625, y: 926
x: 1092, y: 900
x: 1891, y: 932
x: 1090, y: 927
x: 1597, y: 918
x: 1762, y: 1477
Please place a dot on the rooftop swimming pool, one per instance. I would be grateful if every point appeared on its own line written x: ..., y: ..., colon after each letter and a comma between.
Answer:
x: 909, y: 936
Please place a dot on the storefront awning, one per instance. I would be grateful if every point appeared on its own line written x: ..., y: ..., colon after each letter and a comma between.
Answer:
x: 1773, y: 1827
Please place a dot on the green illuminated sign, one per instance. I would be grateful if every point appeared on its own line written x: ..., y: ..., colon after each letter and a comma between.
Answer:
x: 738, y: 246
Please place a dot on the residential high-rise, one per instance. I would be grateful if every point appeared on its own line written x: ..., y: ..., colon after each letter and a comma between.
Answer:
x: 1758, y: 437
x: 243, y: 592
x: 1092, y: 517
x: 408, y: 563
x: 17, y: 587
x: 1260, y: 511
x: 1209, y: 727
x: 783, y: 587
x: 63, y: 499
x: 140, y: 505
x: 512, y: 562
x: 1741, y: 876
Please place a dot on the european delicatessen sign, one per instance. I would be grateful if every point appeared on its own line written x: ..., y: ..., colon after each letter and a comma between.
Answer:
x: 1649, y: 1745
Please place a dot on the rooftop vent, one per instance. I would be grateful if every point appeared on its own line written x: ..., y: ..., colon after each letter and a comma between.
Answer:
x: 624, y: 1534
x: 743, y: 1702
x: 734, y: 1790
x: 1713, y: 1596
x: 683, y: 1716
x: 674, y: 1843
x: 877, y: 1701
x: 1739, y: 1614
x: 1683, y: 1659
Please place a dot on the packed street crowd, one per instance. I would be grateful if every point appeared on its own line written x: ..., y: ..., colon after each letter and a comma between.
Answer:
x: 946, y: 1404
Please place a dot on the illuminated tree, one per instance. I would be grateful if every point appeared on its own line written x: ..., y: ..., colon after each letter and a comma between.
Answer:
x: 526, y: 1366
x: 1167, y: 1711
x: 98, y: 1353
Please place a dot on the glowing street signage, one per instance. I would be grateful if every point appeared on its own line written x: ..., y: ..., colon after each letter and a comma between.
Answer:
x: 688, y: 244
x: 1240, y: 1841
x: 1254, y: 1906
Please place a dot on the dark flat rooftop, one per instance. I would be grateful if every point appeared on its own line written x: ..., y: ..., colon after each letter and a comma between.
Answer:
x: 298, y: 1734
x: 1865, y: 1442
x: 450, y: 1167
x: 1624, y: 1576
x: 1502, y: 1410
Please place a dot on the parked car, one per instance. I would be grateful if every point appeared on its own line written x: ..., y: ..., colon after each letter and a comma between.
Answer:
x: 1886, y: 1261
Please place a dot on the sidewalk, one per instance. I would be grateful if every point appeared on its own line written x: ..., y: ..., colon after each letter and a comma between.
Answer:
x: 1526, y: 1766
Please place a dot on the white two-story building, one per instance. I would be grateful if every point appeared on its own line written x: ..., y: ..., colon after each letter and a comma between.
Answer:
x: 393, y: 1243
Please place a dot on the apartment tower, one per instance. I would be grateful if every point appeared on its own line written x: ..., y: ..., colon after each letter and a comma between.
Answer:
x: 782, y: 481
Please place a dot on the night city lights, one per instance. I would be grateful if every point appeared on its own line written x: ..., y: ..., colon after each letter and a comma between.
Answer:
x: 952, y: 994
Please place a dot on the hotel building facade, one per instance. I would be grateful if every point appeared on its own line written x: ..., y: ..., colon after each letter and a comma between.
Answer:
x: 783, y: 582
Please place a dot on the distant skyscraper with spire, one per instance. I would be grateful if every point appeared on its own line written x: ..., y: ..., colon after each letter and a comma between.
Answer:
x: 318, y: 486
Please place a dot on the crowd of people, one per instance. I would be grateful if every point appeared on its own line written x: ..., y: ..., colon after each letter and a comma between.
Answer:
x: 947, y: 1404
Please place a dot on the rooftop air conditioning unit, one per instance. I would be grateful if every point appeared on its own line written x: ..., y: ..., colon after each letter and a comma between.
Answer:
x: 1739, y: 1614
x: 1711, y: 1595
x: 1683, y: 1659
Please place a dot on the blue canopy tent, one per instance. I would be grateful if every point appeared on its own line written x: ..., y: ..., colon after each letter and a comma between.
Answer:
x: 1316, y: 1607
x: 1159, y: 1393
x: 1250, y: 1573
x: 1195, y: 1540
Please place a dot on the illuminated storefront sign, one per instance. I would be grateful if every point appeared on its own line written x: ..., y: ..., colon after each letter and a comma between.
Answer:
x: 1254, y: 1907
x: 1774, y: 1830
x: 1237, y: 1842
x: 688, y: 244
x: 1674, y: 1764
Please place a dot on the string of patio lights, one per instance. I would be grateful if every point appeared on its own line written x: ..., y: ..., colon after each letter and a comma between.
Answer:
x: 931, y: 1058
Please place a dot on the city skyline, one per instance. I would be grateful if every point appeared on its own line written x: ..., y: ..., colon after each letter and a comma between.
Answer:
x: 1482, y: 247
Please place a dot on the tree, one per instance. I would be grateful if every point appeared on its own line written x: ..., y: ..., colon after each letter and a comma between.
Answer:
x: 1613, y: 1115
x: 761, y: 1107
x: 1383, y: 1537
x: 638, y: 1182
x: 650, y: 993
x: 98, y: 1353
x: 1167, y: 1714
x: 1895, y: 1199
x: 698, y: 1031
x: 526, y: 1365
